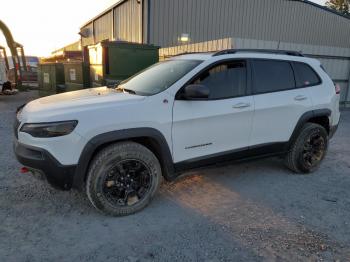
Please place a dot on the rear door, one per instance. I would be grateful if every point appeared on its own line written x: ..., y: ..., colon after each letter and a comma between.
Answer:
x: 220, y: 123
x: 279, y: 102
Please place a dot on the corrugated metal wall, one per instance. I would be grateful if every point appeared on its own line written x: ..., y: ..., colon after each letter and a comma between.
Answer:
x: 85, y: 41
x: 277, y: 20
x: 207, y: 46
x: 103, y: 28
x: 127, y: 22
x: 122, y: 22
x: 217, y: 24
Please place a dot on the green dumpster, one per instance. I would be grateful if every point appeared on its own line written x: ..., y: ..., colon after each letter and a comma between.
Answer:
x: 76, y: 76
x: 50, y: 77
x: 116, y: 61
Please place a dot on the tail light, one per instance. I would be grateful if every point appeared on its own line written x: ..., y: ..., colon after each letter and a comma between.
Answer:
x: 337, y: 89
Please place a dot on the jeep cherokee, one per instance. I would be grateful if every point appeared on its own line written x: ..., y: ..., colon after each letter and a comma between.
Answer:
x: 187, y: 112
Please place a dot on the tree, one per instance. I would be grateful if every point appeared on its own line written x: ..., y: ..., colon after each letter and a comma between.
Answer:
x: 342, y: 6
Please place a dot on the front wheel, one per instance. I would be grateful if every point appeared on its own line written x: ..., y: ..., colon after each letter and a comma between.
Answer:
x: 123, y: 178
x: 308, y: 150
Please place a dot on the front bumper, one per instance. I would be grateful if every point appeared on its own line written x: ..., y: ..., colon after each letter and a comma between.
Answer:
x: 40, y: 161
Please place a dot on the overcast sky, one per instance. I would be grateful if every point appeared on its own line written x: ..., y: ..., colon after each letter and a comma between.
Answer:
x: 45, y: 25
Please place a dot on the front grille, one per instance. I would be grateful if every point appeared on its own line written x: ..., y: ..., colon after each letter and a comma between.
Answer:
x: 16, y: 126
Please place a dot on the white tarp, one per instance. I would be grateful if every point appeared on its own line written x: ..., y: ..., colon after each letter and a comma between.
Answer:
x: 72, y: 74
x: 46, y: 78
x: 3, y: 75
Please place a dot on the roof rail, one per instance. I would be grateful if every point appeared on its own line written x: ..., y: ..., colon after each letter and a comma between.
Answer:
x: 265, y: 51
x: 193, y: 53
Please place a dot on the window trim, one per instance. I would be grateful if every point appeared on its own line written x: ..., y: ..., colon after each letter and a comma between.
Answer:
x: 320, y: 81
x: 248, y: 90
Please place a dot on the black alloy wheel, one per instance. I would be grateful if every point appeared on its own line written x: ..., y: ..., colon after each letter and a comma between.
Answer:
x: 123, y: 178
x: 308, y: 150
x: 314, y: 150
x: 127, y: 182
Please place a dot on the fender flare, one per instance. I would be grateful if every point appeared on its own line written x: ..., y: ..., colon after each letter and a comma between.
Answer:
x: 304, y: 119
x: 96, y: 142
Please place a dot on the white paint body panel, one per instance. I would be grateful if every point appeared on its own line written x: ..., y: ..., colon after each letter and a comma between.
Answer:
x: 324, y: 97
x: 276, y: 115
x: 97, y: 114
x: 203, y: 128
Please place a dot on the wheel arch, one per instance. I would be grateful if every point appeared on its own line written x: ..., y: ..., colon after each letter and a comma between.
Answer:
x: 148, y: 137
x: 315, y: 116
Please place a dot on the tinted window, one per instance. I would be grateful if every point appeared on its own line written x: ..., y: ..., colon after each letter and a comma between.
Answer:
x: 271, y: 76
x: 225, y: 80
x: 305, y: 75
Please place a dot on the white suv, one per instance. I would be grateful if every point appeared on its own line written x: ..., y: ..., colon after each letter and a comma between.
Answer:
x: 187, y: 112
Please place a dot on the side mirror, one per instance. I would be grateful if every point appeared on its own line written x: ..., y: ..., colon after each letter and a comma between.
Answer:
x: 196, y: 91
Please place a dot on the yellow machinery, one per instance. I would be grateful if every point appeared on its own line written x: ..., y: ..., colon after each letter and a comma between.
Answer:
x: 13, y: 48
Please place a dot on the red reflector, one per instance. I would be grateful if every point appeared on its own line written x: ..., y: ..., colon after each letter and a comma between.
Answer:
x: 337, y: 88
x: 24, y: 170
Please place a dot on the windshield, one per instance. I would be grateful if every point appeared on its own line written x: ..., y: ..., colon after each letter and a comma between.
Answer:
x: 158, y: 77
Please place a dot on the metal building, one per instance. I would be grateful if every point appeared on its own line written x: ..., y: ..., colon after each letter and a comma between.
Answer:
x: 209, y: 25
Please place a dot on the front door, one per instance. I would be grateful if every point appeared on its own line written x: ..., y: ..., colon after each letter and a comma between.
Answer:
x: 219, y: 124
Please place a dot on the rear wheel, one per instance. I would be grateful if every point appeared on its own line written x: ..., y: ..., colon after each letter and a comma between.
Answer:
x: 308, y: 150
x: 123, y: 179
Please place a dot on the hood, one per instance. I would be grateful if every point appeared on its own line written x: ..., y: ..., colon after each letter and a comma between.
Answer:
x: 78, y: 100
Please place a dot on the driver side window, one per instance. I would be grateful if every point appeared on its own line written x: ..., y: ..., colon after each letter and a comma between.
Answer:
x: 226, y: 80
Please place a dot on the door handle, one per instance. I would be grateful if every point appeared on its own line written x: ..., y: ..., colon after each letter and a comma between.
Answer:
x: 300, y: 98
x: 241, y: 105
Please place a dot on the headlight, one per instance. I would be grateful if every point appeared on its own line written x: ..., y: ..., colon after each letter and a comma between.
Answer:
x: 45, y: 130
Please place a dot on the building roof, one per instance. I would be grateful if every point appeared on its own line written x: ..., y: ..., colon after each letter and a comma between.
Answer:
x: 119, y: 2
x: 76, y: 46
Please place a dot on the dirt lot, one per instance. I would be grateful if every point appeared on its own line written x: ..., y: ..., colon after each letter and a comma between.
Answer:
x: 252, y: 211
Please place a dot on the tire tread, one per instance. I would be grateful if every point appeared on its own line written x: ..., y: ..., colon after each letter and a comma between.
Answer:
x: 98, y: 160
x: 291, y: 160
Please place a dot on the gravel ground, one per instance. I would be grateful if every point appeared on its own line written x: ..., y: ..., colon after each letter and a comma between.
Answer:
x: 252, y: 211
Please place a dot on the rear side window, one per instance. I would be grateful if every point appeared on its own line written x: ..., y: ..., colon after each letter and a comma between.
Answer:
x: 305, y: 75
x: 272, y: 76
x: 226, y: 80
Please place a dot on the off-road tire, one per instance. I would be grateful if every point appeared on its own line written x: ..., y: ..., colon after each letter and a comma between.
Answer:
x: 294, y: 159
x: 104, y: 160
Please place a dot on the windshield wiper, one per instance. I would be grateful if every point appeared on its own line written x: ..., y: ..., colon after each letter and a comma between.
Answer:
x: 125, y: 90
